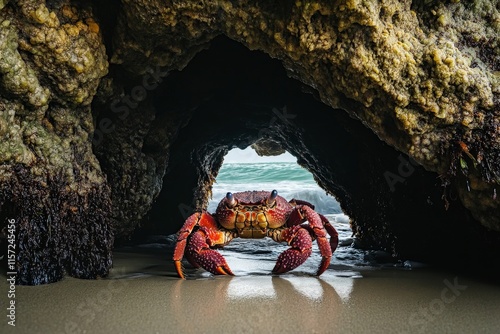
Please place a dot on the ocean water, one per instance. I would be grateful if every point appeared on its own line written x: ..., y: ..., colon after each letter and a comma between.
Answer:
x: 288, y: 178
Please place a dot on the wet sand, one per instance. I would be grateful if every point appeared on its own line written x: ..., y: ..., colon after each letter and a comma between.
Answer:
x: 143, y: 294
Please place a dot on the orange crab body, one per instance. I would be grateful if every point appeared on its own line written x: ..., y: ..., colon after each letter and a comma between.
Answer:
x: 255, y: 214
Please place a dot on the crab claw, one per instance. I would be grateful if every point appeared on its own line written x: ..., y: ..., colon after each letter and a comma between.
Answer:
x: 209, y: 259
x: 301, y: 248
x: 319, y: 227
x: 196, y: 246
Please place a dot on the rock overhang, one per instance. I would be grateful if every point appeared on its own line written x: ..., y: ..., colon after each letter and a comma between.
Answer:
x: 404, y: 69
x: 389, y: 196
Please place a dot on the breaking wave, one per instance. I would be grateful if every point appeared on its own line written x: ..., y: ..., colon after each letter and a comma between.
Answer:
x: 288, y: 178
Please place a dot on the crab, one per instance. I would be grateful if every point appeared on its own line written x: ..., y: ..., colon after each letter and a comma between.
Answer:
x: 254, y: 215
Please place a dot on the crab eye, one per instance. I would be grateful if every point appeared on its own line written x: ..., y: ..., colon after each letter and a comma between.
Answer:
x: 272, y: 197
x: 230, y: 200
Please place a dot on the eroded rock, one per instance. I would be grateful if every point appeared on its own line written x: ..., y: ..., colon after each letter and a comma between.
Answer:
x: 52, y: 58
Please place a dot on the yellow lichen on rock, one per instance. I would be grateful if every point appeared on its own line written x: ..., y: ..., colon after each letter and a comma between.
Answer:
x: 63, y: 51
x: 69, y: 12
x: 93, y: 26
x: 43, y: 62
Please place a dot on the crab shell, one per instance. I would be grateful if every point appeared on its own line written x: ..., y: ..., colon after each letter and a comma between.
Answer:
x: 251, y: 213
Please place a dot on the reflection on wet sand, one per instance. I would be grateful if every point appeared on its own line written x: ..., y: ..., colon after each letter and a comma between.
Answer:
x: 249, y: 287
x: 142, y: 295
x: 258, y: 297
x: 312, y: 288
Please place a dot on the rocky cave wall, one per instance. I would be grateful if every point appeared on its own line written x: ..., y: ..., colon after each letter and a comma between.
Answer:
x: 390, y: 198
x: 51, y: 62
x: 101, y: 132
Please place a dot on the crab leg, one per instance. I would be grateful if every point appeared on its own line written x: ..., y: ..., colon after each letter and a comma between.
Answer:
x: 206, y: 222
x: 182, y: 236
x: 334, y: 236
x: 318, y: 226
x: 296, y: 202
x: 301, y: 248
x: 316, y: 221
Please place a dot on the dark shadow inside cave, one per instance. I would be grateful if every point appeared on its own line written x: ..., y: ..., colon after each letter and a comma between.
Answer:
x: 230, y: 97
x: 233, y: 97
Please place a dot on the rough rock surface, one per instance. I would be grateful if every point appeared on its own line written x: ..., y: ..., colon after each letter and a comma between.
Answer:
x: 51, y: 61
x: 382, y: 81
x: 424, y: 78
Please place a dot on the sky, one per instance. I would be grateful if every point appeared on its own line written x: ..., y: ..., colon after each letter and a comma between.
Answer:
x: 248, y: 155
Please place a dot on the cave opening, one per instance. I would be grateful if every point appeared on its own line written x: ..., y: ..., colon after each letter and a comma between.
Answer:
x: 229, y: 97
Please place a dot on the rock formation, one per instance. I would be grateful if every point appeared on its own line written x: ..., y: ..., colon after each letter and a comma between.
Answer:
x: 116, y: 116
x: 52, y: 59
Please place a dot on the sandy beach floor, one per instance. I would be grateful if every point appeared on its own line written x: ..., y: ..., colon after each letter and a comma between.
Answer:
x: 143, y: 295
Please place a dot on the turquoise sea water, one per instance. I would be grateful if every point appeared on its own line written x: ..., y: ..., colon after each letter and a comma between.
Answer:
x: 288, y: 178
x: 234, y: 173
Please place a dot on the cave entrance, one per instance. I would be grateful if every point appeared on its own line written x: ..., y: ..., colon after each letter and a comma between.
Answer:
x: 230, y: 97
x: 173, y: 144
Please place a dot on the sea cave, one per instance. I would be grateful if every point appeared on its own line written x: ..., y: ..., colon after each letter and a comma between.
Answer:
x: 115, y: 126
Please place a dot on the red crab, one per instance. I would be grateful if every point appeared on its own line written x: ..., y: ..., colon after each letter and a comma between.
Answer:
x: 255, y: 214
